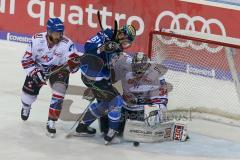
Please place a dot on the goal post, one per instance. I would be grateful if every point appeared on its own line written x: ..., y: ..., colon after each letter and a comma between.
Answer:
x: 204, y: 70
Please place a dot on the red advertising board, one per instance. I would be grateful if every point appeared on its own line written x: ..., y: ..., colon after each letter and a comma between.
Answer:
x: 80, y: 17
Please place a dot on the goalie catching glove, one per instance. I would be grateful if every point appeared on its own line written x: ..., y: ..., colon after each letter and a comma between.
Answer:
x: 155, y: 114
x: 73, y: 63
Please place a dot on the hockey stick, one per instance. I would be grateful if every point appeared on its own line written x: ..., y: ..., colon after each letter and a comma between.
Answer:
x: 79, y: 119
x: 56, y: 70
x: 115, y: 30
x: 65, y: 66
x: 115, y: 26
x: 99, y: 20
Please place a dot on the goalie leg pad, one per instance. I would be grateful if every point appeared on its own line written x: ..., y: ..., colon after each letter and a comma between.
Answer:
x: 132, y: 115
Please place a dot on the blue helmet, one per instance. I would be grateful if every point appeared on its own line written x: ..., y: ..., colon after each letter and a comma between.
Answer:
x: 55, y: 25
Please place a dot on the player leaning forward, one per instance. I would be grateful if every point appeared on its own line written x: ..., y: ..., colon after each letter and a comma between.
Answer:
x: 101, y: 48
x: 48, y: 51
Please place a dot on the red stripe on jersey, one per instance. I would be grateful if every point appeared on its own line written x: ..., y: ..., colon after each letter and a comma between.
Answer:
x: 26, y: 64
x: 27, y: 54
x: 57, y: 96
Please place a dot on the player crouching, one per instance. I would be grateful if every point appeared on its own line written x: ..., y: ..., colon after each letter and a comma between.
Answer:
x: 146, y: 97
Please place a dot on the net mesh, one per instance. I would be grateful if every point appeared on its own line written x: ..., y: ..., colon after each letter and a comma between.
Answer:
x: 199, y: 72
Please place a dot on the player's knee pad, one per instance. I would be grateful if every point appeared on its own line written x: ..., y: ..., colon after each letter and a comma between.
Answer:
x: 94, y: 111
x: 61, y: 76
x: 59, y: 88
x: 98, y: 109
x: 28, y: 99
x: 117, y: 103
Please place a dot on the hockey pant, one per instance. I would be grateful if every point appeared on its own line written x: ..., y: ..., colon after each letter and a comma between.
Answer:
x: 58, y: 83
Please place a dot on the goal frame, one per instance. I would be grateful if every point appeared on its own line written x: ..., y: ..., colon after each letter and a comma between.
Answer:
x: 174, y: 33
x: 228, y: 43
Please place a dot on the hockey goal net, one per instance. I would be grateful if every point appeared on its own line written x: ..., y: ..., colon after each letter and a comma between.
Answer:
x: 203, y: 69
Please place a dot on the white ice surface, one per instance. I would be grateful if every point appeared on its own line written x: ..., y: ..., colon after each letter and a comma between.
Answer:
x: 27, y: 140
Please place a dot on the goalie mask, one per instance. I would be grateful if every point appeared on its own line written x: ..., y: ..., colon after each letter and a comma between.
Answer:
x: 140, y: 63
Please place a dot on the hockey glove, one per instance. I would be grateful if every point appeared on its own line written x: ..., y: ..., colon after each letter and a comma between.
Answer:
x: 88, y: 94
x: 38, y: 76
x: 111, y: 46
x: 73, y: 63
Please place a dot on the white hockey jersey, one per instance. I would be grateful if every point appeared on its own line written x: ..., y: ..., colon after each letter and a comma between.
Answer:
x: 38, y: 54
x: 149, y: 88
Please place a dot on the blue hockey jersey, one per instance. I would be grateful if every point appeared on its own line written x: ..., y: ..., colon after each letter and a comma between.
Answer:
x: 95, y: 64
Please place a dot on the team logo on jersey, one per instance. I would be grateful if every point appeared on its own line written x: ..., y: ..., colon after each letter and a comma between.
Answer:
x: 46, y: 58
x: 28, y: 55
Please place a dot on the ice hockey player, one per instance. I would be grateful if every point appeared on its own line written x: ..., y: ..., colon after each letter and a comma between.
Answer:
x: 143, y: 85
x: 100, y: 49
x: 47, y: 52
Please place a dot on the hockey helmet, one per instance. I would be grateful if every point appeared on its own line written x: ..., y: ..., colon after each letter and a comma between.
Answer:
x: 140, y: 63
x: 129, y: 31
x: 55, y: 25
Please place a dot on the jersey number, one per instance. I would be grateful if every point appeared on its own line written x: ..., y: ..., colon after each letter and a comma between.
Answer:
x: 95, y: 39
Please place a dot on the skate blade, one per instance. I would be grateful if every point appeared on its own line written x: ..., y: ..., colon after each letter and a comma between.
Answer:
x: 114, y: 141
x: 51, y: 135
x: 75, y: 134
